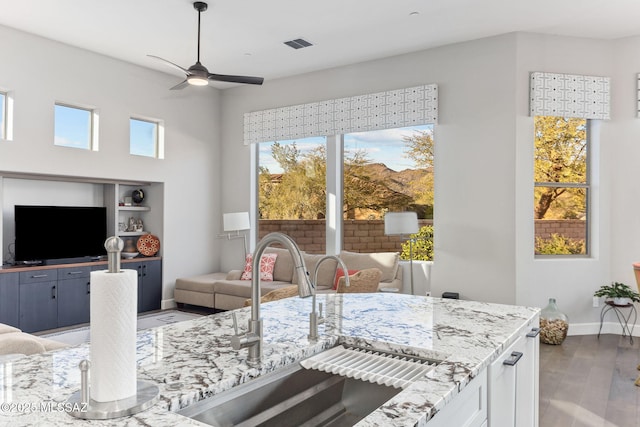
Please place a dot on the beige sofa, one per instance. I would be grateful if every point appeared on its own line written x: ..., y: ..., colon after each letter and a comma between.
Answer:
x: 14, y: 342
x: 225, y: 291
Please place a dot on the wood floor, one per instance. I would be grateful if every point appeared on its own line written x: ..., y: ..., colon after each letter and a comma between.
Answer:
x: 588, y: 381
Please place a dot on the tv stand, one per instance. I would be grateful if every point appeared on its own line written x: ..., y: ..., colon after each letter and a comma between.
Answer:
x: 41, y: 297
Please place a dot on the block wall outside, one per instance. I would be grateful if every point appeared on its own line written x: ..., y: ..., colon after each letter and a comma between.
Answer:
x: 574, y: 229
x: 359, y: 235
x: 368, y: 235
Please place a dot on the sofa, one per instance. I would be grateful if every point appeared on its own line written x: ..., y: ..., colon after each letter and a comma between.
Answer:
x: 227, y: 291
x: 14, y: 342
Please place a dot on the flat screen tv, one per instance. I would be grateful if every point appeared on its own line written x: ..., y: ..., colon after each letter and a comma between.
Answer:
x: 59, y: 234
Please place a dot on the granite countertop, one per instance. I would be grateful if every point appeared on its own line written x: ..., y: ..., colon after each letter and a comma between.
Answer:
x: 193, y: 360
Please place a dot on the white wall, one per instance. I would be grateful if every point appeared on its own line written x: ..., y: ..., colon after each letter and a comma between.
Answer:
x: 573, y: 281
x: 474, y: 138
x: 623, y: 155
x: 39, y: 72
x: 484, y: 162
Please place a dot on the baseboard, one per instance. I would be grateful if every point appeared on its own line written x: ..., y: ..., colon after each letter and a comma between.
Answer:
x: 167, y: 304
x: 594, y: 327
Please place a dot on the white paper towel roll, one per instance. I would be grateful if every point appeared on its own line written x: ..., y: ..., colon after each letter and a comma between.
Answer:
x: 114, y: 306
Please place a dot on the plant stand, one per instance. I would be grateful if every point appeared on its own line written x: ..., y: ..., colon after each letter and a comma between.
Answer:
x: 622, y: 318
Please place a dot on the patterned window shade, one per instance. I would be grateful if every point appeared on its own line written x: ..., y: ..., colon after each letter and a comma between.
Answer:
x: 567, y: 95
x: 384, y: 110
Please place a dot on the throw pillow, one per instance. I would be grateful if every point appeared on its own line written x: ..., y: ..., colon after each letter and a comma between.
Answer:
x: 366, y: 280
x: 267, y: 263
x: 339, y: 274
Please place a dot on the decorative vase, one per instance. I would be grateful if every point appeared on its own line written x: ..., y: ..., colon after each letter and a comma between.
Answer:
x: 129, y: 246
x: 554, y: 324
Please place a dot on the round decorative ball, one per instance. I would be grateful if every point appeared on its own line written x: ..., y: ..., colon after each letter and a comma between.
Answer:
x: 137, y: 196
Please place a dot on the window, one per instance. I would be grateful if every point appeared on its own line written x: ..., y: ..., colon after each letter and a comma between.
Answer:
x: 3, y: 115
x: 561, y: 189
x: 145, y: 138
x: 388, y: 170
x: 292, y: 188
x: 75, y: 127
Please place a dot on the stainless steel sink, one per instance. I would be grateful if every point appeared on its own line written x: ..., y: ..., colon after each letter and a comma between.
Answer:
x: 293, y: 396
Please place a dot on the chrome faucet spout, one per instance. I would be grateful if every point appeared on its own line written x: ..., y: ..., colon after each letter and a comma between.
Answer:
x: 315, y: 318
x: 253, y: 338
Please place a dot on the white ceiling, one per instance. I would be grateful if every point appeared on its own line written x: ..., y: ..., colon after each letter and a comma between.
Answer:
x: 246, y: 36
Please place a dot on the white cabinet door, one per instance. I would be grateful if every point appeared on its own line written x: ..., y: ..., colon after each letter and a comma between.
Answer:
x: 527, y: 381
x: 467, y: 409
x: 513, y: 383
x: 502, y: 386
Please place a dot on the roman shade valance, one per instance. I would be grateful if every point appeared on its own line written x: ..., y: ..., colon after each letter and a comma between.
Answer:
x: 568, y: 95
x: 383, y: 110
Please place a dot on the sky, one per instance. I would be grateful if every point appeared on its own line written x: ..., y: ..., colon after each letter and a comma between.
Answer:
x: 383, y: 146
x: 73, y: 129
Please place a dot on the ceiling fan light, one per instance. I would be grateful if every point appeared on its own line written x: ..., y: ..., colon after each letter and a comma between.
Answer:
x: 197, y: 81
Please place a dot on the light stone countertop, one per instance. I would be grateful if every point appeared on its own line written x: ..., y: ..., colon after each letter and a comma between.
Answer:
x: 192, y: 360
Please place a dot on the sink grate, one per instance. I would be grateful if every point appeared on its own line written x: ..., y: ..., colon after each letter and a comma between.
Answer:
x: 368, y: 365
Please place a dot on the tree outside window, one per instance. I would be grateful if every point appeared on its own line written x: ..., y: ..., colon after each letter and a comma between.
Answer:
x: 561, y: 186
x: 388, y: 171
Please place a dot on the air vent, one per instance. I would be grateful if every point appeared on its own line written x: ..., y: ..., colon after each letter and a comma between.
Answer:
x: 298, y: 43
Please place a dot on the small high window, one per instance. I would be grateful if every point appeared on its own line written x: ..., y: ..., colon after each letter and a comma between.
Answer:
x: 3, y: 115
x: 75, y: 127
x: 145, y: 138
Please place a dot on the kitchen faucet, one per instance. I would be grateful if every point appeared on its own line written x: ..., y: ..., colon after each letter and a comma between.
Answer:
x: 315, y: 318
x: 253, y: 338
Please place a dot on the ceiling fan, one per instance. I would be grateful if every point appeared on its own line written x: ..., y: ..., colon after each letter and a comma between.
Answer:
x: 197, y: 74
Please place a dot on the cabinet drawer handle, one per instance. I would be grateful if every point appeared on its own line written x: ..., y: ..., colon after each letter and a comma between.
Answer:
x: 74, y: 272
x: 533, y: 333
x: 53, y: 292
x: 88, y: 287
x: 513, y: 359
x: 39, y: 276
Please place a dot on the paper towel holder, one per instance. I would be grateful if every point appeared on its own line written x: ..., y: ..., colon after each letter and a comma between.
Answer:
x: 82, y: 406
x: 80, y: 403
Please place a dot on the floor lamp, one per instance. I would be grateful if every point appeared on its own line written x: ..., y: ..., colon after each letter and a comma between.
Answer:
x: 232, y: 224
x: 402, y: 224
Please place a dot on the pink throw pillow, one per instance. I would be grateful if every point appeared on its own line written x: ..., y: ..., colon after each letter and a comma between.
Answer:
x: 339, y: 274
x: 267, y: 263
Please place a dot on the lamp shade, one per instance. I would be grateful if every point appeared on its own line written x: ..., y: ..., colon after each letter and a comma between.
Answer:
x: 400, y: 223
x: 235, y: 221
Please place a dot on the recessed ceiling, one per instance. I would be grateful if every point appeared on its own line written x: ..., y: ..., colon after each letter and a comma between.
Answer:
x: 247, y: 36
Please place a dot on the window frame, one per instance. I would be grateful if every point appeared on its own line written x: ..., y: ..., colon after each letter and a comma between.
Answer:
x: 3, y: 117
x: 335, y: 152
x: 587, y: 186
x: 93, y: 125
x: 158, y: 143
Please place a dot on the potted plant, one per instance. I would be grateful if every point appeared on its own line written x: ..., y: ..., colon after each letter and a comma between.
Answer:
x: 618, y: 293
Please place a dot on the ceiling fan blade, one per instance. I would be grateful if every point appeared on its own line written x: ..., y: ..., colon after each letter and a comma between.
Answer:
x: 236, y: 79
x: 170, y: 63
x: 181, y: 85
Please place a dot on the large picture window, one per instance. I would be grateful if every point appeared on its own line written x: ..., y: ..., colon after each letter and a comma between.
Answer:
x: 561, y: 192
x: 292, y: 190
x: 382, y: 171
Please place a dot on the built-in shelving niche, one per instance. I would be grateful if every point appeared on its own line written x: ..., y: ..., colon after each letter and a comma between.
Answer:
x: 41, y: 189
